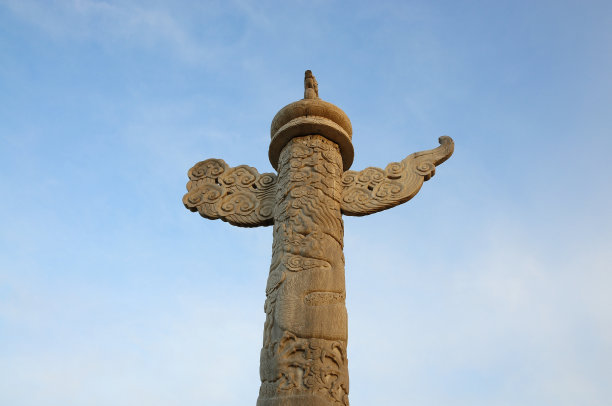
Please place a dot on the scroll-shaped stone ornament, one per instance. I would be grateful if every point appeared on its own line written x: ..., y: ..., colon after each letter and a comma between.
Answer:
x: 240, y: 195
x: 373, y: 189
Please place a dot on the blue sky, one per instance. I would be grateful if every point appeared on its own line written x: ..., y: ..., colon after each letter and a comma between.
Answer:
x: 491, y: 287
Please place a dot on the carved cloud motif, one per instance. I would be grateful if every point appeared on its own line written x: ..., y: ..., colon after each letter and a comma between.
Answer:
x: 240, y: 195
x: 373, y: 190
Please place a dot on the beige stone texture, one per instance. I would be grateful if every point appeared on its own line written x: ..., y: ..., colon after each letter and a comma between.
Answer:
x: 303, y: 357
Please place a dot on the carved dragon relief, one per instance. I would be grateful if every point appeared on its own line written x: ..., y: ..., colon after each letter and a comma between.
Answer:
x: 373, y: 189
x: 241, y: 196
x: 303, y: 359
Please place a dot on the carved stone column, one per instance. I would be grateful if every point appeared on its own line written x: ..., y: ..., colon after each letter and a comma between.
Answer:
x: 303, y: 359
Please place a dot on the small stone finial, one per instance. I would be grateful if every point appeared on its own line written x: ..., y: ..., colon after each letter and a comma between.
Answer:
x: 311, y: 87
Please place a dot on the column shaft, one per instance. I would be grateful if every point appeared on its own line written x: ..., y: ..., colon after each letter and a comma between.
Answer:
x: 303, y: 359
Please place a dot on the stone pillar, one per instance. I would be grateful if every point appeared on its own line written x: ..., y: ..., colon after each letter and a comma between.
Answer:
x: 303, y: 359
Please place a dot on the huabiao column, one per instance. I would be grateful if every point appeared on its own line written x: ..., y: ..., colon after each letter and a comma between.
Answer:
x: 303, y: 358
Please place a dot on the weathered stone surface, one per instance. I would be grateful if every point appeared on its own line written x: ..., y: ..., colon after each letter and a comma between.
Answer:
x: 304, y: 349
x: 303, y: 358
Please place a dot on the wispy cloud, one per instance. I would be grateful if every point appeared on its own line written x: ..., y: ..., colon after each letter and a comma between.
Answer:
x: 198, y: 349
x: 118, y: 23
x: 510, y: 324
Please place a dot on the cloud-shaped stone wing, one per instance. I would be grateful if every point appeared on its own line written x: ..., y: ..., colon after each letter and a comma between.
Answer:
x: 240, y: 195
x: 373, y: 189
